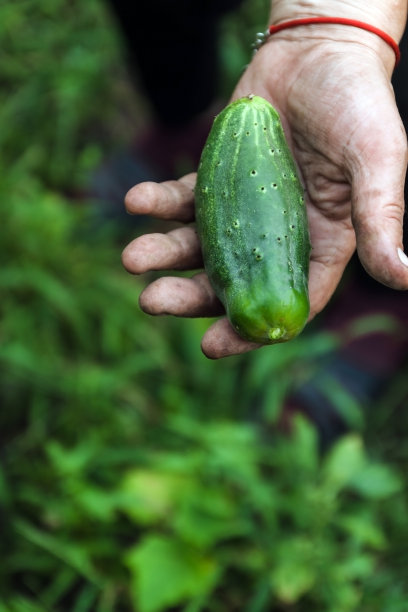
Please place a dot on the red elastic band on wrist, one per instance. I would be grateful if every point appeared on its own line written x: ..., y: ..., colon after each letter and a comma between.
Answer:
x: 342, y: 21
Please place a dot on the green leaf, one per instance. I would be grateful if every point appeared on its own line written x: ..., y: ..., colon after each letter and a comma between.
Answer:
x: 97, y: 502
x: 294, y: 574
x: 376, y: 481
x: 74, y: 554
x: 85, y: 601
x: 207, y: 516
x: 357, y: 566
x: 59, y: 586
x: 70, y: 461
x: 233, y: 450
x: 150, y: 495
x: 291, y: 581
x: 363, y: 530
x: 21, y: 604
x: 343, y: 401
x: 344, y: 461
x: 376, y: 323
x: 305, y: 442
x: 166, y: 572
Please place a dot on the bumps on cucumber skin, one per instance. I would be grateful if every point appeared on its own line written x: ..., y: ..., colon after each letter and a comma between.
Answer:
x: 252, y: 223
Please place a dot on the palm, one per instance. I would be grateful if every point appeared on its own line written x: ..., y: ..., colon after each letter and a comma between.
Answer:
x: 332, y: 128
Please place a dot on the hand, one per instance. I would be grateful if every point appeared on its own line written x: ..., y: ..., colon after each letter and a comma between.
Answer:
x: 340, y: 118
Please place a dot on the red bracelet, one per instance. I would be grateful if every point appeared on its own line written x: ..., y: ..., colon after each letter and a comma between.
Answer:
x: 342, y: 21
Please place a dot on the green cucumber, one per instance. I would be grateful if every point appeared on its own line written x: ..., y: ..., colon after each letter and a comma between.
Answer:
x: 252, y: 223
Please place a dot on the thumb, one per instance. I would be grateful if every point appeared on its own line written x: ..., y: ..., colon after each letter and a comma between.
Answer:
x: 378, y: 179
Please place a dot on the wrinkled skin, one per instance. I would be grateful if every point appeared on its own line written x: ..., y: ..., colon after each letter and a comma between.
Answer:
x: 339, y: 115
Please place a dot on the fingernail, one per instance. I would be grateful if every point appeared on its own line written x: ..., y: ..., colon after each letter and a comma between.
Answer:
x: 403, y: 258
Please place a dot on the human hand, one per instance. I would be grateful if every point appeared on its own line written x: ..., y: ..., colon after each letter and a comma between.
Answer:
x: 339, y: 115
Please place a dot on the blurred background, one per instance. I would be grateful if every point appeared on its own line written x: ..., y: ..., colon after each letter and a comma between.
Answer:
x: 135, y: 474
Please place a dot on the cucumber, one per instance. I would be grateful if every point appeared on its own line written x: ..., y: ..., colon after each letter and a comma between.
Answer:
x: 252, y: 223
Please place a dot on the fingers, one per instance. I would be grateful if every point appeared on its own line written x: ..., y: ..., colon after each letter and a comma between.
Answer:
x: 176, y: 250
x: 333, y: 244
x: 168, y: 200
x: 181, y: 297
x: 323, y: 281
x: 378, y: 202
x: 194, y: 297
x: 379, y: 236
x: 220, y: 340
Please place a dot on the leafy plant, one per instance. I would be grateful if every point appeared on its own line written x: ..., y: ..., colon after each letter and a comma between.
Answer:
x: 136, y: 475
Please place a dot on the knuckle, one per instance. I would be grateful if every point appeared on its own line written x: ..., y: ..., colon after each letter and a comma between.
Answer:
x: 393, y: 212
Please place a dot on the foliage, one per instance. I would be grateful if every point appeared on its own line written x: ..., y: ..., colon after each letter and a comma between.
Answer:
x: 136, y: 475
x: 57, y: 106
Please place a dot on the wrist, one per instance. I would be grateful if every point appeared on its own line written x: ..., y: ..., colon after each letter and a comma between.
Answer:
x: 386, y: 15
